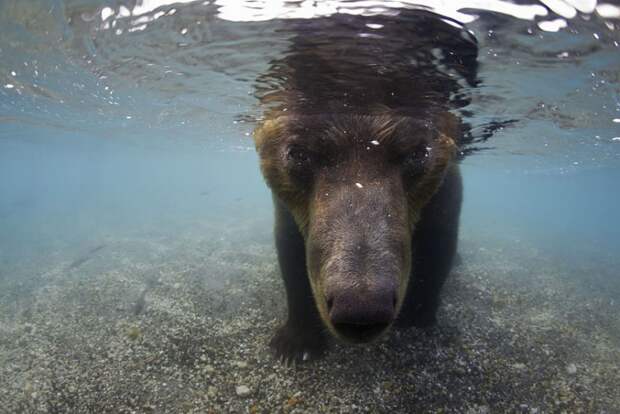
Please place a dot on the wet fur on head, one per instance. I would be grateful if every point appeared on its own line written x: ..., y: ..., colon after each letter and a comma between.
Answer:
x: 274, y: 136
x: 350, y: 149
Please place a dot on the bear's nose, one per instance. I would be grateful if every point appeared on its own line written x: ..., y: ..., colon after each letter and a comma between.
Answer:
x: 361, y: 315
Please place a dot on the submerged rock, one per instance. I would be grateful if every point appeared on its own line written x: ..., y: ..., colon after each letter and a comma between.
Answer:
x: 242, y: 390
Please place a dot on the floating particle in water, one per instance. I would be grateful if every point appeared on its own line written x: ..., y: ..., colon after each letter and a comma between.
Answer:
x: 616, y: 120
x: 9, y: 86
x: 374, y: 142
x: 359, y: 185
x: 615, y: 139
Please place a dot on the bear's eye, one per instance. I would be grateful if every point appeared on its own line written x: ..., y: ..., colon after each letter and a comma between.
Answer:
x: 415, y: 162
x: 299, y: 156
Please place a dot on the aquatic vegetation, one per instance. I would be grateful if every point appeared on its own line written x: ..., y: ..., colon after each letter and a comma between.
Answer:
x: 134, y: 333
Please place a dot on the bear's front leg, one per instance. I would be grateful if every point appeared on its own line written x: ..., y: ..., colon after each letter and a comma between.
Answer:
x: 301, y: 337
x: 434, y: 249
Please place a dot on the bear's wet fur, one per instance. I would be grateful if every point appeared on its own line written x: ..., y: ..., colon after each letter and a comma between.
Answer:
x: 359, y: 148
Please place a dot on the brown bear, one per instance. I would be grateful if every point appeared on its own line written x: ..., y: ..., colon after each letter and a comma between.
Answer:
x: 359, y: 149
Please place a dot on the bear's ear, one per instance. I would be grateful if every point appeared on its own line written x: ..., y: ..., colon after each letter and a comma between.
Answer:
x: 269, y: 129
x: 446, y: 149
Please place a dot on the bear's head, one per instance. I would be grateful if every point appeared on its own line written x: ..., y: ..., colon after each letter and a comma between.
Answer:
x: 358, y: 135
x: 356, y: 185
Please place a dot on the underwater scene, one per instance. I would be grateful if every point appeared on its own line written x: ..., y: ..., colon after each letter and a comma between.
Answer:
x: 443, y: 179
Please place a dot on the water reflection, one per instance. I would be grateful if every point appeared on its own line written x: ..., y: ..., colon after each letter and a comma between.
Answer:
x: 416, y: 63
x: 409, y: 62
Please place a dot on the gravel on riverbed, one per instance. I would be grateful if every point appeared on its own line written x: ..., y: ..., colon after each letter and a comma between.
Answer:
x: 181, y: 325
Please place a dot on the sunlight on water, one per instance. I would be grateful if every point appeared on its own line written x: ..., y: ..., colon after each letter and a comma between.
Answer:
x: 137, y: 263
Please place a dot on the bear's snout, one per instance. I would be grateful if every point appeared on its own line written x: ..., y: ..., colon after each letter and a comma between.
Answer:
x: 359, y: 314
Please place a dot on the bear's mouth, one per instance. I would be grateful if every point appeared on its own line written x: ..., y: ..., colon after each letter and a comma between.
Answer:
x: 360, y: 333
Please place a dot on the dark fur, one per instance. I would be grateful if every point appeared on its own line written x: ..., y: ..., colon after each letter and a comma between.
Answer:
x: 435, y: 243
x: 362, y: 165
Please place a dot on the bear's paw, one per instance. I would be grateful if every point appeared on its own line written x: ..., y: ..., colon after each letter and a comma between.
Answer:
x: 293, y: 345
